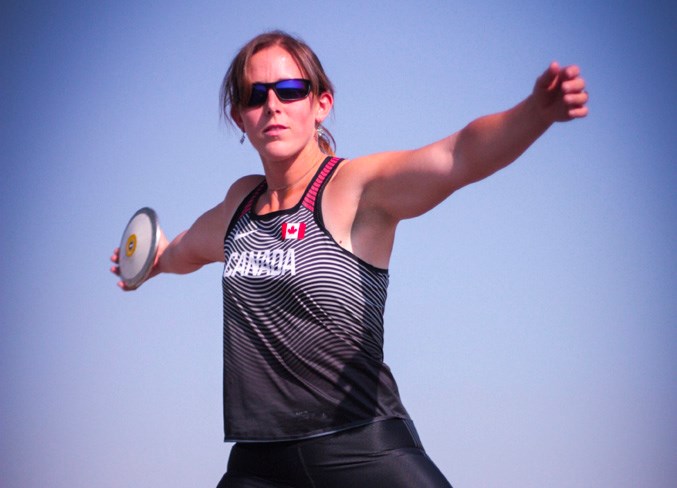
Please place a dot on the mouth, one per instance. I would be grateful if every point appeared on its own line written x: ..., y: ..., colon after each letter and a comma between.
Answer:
x: 274, y: 129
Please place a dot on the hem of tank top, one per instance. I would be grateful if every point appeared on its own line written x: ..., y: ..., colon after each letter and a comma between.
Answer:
x: 315, y: 435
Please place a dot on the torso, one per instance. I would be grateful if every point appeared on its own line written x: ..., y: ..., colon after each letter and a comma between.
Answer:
x: 303, y: 327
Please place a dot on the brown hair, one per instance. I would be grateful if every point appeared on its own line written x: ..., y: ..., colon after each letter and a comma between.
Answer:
x: 235, y: 89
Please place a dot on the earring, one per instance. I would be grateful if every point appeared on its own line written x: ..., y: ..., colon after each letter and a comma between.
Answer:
x: 242, y: 138
x: 320, y: 132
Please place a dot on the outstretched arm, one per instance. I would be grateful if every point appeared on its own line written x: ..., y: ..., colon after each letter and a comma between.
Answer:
x: 405, y: 184
x: 202, y: 243
x: 490, y: 143
x: 188, y: 251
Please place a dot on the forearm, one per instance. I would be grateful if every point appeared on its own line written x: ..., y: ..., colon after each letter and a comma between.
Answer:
x: 492, y: 142
x: 176, y: 257
x: 406, y: 184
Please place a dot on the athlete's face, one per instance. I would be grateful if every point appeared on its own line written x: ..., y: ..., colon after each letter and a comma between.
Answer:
x: 277, y: 129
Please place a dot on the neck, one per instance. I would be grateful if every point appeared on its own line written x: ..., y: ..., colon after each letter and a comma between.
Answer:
x: 293, y: 184
x: 283, y: 177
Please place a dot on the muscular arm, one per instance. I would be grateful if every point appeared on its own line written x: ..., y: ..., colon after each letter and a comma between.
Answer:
x: 370, y: 195
x: 408, y: 183
x: 202, y: 243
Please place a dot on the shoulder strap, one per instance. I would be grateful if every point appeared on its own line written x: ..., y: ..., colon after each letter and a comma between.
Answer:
x: 246, y: 204
x: 320, y: 179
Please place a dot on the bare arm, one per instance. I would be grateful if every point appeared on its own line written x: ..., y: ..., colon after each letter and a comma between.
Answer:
x: 202, y: 243
x: 406, y: 184
x: 187, y: 252
x: 369, y: 196
x: 490, y: 143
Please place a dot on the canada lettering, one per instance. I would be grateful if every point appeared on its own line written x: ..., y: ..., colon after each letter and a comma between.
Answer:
x: 260, y: 264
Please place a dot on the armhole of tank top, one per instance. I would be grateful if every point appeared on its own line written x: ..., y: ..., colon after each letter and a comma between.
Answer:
x: 334, y: 163
x: 245, y: 206
x: 317, y: 213
x: 317, y: 210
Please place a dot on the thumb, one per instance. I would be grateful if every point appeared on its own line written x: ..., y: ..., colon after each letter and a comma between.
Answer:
x: 548, y: 80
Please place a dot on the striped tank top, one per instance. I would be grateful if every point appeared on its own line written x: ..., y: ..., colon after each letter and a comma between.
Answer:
x: 303, y: 326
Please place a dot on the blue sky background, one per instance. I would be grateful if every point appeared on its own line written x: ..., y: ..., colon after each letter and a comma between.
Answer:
x: 531, y: 321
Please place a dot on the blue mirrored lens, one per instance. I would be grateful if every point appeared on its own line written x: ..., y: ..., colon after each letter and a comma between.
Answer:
x: 286, y: 90
x: 258, y: 96
x: 292, y: 89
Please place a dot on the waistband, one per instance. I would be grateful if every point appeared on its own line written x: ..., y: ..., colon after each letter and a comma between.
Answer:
x: 381, y: 435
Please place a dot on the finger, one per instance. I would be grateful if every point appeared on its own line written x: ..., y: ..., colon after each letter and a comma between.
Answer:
x: 577, y: 113
x: 549, y: 77
x: 571, y: 72
x: 116, y: 255
x: 115, y: 270
x: 574, y: 85
x: 124, y: 287
x: 576, y: 99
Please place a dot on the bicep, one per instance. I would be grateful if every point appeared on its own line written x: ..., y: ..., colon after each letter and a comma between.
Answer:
x: 203, y: 241
x: 406, y: 184
x: 197, y: 246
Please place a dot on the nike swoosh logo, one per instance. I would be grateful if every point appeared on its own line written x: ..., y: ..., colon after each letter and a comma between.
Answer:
x: 244, y: 234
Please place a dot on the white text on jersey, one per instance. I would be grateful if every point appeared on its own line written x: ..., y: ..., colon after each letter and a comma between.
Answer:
x: 260, y: 264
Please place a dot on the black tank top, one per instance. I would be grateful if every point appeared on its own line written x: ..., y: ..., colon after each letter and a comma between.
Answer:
x: 303, y: 326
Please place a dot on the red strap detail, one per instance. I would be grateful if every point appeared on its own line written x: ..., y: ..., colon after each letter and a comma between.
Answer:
x: 309, y: 200
x: 252, y: 198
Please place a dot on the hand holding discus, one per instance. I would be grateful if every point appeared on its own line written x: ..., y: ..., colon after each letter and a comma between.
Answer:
x: 137, y: 255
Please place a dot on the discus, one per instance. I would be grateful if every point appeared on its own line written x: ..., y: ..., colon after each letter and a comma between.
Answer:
x: 138, y: 247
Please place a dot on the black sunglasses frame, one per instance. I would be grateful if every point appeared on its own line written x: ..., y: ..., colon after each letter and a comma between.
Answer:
x: 259, y: 97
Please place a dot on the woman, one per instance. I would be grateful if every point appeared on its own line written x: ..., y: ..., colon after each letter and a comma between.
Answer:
x: 307, y: 397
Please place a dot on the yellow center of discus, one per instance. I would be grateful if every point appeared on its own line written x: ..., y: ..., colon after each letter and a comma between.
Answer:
x: 131, y: 245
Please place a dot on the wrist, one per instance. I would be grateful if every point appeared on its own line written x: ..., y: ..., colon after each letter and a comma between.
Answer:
x: 534, y: 111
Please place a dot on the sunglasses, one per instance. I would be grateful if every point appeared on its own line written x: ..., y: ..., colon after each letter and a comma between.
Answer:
x: 286, y: 91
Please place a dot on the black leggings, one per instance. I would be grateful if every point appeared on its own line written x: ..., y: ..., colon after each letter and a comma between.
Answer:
x: 382, y: 454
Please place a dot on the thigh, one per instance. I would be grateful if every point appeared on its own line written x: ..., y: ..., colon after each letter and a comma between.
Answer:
x: 398, y: 468
x: 231, y: 480
x: 387, y: 454
x: 384, y: 454
x: 259, y: 466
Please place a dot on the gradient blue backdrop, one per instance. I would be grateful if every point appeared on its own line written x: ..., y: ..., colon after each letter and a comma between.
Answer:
x: 531, y: 322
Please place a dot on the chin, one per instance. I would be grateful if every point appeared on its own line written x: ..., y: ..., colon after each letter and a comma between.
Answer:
x: 279, y: 150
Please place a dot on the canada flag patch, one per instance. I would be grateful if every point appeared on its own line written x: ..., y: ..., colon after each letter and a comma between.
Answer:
x: 294, y: 231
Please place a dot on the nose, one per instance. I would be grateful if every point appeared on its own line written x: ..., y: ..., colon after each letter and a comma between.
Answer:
x: 272, y: 101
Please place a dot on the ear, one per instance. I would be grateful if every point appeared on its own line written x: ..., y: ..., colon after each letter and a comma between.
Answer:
x: 237, y: 118
x: 324, y: 104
